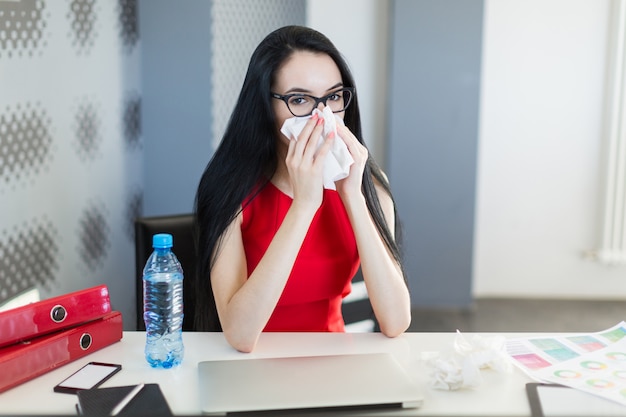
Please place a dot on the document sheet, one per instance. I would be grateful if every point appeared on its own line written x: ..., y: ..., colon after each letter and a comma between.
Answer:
x: 590, y: 362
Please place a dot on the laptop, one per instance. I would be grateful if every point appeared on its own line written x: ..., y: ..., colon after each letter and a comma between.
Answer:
x: 301, y: 383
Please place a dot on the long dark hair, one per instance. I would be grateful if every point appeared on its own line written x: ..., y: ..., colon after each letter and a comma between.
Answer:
x: 247, y: 157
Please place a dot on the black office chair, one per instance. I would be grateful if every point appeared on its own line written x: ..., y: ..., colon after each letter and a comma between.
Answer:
x: 180, y: 226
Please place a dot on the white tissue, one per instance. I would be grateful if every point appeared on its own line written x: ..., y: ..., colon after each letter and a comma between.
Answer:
x: 338, y: 159
x: 461, y: 367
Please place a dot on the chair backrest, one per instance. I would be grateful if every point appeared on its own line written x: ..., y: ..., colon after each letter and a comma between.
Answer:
x: 180, y: 226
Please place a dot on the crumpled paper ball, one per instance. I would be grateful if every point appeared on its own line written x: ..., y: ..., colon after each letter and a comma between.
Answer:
x: 460, y: 367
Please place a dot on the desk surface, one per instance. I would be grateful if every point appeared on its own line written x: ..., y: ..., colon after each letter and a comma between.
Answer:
x: 500, y: 394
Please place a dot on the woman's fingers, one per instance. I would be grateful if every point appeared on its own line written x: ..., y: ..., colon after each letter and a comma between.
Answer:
x: 298, y: 145
x: 303, y: 151
x: 323, y: 150
x: 356, y: 149
x: 305, y: 134
x: 312, y: 141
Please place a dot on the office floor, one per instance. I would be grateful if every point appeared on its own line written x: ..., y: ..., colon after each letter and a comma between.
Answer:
x: 523, y: 315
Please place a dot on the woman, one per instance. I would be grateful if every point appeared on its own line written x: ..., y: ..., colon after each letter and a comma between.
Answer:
x: 277, y: 250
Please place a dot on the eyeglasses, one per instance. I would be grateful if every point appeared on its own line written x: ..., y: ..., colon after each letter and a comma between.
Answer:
x: 301, y: 105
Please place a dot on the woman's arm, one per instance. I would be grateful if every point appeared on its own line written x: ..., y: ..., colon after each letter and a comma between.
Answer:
x: 245, y: 304
x: 383, y: 276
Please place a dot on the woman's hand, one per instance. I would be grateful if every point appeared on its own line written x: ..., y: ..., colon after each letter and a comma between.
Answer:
x: 305, y: 163
x: 383, y: 276
x: 351, y: 185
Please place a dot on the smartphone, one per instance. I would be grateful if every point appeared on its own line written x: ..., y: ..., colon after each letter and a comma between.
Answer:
x: 89, y: 376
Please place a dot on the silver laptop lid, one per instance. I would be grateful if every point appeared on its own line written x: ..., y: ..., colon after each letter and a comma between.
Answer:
x: 358, y: 380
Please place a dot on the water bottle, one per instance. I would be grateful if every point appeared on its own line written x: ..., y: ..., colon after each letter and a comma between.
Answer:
x: 163, y: 304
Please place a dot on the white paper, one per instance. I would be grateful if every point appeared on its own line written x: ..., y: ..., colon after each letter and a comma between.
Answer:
x: 459, y: 368
x: 590, y: 362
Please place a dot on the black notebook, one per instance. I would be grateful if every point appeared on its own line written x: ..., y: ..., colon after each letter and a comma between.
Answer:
x: 101, y: 401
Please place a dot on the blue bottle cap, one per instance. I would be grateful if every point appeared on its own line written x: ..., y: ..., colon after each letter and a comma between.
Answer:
x: 162, y: 240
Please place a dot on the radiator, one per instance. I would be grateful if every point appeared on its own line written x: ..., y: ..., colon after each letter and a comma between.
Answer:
x: 613, y: 244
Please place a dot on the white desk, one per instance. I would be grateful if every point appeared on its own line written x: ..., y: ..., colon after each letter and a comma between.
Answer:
x: 501, y: 394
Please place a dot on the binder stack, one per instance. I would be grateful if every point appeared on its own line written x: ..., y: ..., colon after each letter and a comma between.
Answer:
x: 44, y: 335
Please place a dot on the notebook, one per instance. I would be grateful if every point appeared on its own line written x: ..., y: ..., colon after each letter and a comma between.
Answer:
x: 311, y: 382
x: 101, y: 401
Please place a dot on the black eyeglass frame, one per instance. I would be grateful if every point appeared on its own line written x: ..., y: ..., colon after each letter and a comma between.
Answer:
x: 318, y: 100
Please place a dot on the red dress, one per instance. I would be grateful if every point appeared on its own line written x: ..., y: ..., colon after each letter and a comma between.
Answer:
x: 324, y: 267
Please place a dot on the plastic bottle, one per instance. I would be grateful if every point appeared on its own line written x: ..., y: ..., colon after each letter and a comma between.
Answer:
x: 163, y: 304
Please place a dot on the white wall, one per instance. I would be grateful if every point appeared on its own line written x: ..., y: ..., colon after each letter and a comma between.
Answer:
x: 358, y: 28
x: 539, y: 198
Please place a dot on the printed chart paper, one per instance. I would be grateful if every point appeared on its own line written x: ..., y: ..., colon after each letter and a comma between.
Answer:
x: 594, y: 362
